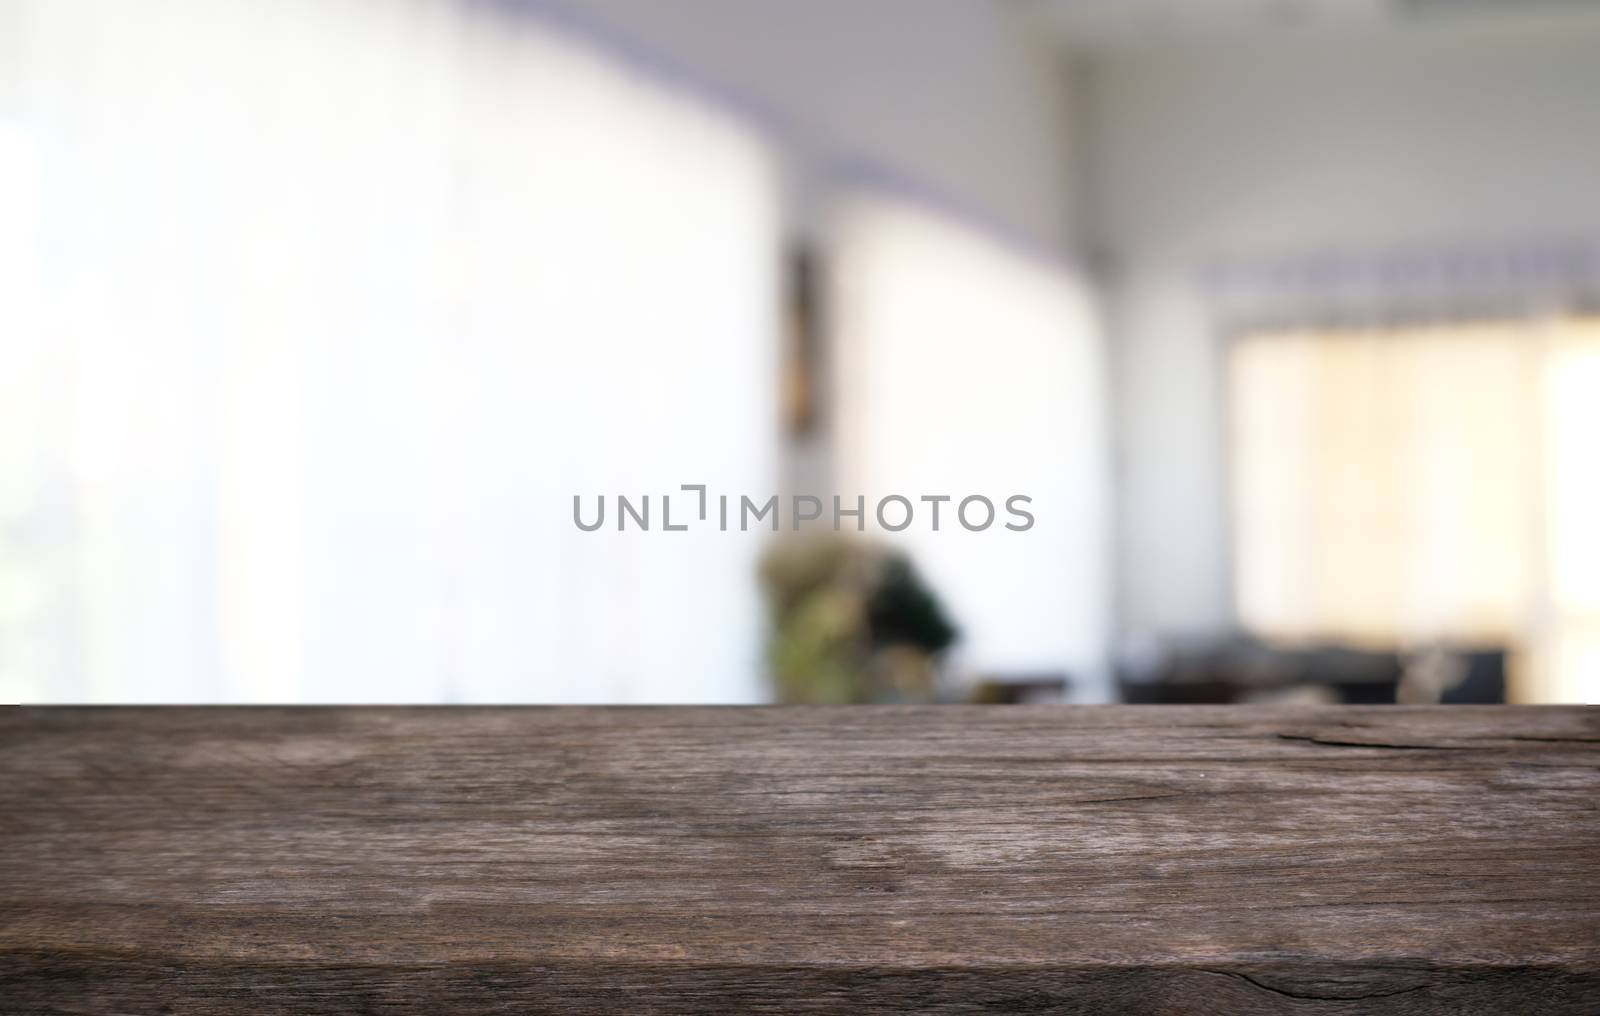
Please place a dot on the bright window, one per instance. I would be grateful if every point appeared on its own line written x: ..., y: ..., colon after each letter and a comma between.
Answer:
x: 329, y: 310
x: 1405, y: 485
x: 963, y: 367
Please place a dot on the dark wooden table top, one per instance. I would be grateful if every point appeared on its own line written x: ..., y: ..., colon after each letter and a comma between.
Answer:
x: 928, y: 860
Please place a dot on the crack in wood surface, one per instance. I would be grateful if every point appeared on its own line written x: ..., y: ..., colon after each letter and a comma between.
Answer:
x: 903, y: 859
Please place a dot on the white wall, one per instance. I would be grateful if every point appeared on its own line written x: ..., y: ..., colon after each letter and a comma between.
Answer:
x: 1349, y: 144
x: 953, y: 93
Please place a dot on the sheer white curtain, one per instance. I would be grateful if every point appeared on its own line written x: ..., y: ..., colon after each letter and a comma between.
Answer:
x: 963, y: 367
x: 314, y: 316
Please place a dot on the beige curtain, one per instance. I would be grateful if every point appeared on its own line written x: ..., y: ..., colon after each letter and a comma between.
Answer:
x: 1400, y: 486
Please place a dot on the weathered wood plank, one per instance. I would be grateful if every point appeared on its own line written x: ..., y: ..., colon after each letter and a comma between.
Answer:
x: 936, y: 860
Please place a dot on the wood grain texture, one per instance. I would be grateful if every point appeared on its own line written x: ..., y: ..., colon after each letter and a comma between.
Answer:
x: 1117, y: 860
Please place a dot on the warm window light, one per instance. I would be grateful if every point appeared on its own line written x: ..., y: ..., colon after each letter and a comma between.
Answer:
x: 1572, y: 477
x: 1400, y: 486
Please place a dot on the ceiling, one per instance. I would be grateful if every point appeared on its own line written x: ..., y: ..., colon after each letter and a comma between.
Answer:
x: 1096, y: 24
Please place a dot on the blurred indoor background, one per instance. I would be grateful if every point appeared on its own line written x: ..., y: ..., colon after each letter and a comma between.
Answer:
x: 315, y: 316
